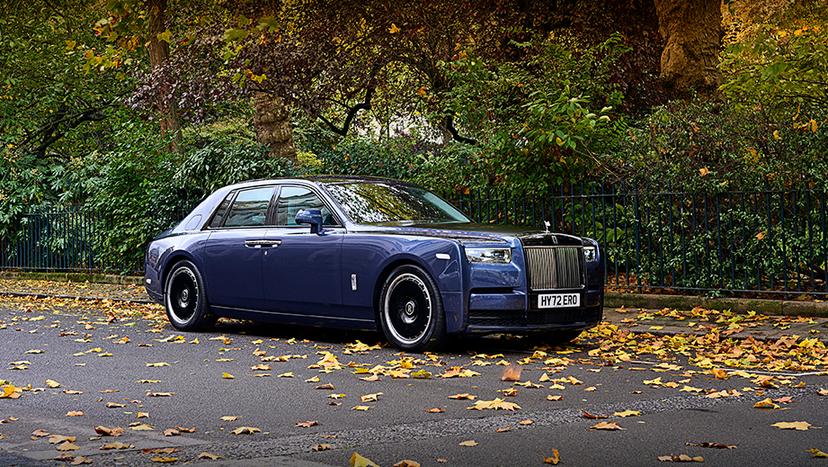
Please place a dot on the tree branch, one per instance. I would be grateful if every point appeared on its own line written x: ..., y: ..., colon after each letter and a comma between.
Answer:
x: 448, y: 122
x: 352, y: 113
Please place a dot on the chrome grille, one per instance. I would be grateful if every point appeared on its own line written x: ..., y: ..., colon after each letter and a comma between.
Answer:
x: 554, y: 267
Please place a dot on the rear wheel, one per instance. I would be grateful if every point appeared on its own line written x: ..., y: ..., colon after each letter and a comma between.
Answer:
x: 185, y: 300
x: 411, y: 312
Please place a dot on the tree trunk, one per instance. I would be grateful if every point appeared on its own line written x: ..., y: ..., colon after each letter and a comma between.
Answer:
x: 693, y: 31
x: 159, y: 52
x: 272, y: 123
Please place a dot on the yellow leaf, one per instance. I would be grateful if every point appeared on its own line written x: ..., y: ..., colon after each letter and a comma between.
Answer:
x: 420, y: 374
x: 776, y: 135
x: 288, y: 374
x: 627, y: 413
x: 9, y: 392
x: 608, y: 426
x: 459, y: 372
x: 468, y: 443
x: 164, y: 459
x: 68, y: 446
x: 52, y: 383
x: 554, y: 398
x: 157, y: 364
x: 116, y: 445
x: 799, y: 426
x: 817, y: 453
x: 74, y: 413
x: 227, y: 375
x: 680, y: 458
x: 140, y: 427
x: 361, y: 408
x: 554, y: 459
x: 208, y: 456
x: 165, y: 36
x: 463, y: 396
x: 108, y: 431
x: 394, y: 29
x: 246, y: 430
x: 359, y: 461
x: 229, y: 418
x: 511, y: 373
x: 765, y: 404
x: 704, y: 171
x: 370, y: 397
x: 496, y: 404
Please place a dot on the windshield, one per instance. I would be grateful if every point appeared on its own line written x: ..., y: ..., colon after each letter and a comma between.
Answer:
x: 379, y: 203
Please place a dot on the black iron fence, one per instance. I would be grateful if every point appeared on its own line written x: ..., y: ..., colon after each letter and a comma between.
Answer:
x: 772, y: 242
x: 768, y: 242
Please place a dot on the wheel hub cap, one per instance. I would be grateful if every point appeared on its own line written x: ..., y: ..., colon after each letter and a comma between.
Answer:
x: 184, y: 298
x: 409, y: 312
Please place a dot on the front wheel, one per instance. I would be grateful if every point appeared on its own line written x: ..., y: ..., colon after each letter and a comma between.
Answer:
x: 185, y: 300
x: 411, y: 311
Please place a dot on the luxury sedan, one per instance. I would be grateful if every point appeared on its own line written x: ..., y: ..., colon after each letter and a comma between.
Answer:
x: 372, y: 254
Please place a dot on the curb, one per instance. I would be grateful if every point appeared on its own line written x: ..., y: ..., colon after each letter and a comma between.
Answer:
x: 137, y: 301
x: 73, y: 277
x: 739, y: 305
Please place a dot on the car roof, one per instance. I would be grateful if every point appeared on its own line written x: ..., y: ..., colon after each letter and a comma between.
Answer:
x: 319, y: 179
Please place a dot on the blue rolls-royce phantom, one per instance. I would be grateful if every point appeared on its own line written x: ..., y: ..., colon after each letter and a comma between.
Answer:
x: 369, y: 253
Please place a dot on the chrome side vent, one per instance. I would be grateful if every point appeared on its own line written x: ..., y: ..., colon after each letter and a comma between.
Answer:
x: 550, y: 268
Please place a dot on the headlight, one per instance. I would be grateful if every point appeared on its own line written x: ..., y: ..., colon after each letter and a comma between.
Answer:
x: 489, y: 255
x: 590, y: 254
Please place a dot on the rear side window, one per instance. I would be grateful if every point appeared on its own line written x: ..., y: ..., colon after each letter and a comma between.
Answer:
x: 218, y: 217
x: 250, y: 208
x: 293, y: 199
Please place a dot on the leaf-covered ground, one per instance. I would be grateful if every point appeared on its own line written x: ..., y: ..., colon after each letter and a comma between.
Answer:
x: 105, y: 382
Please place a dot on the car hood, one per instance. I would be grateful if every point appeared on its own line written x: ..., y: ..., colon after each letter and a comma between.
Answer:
x: 471, y: 232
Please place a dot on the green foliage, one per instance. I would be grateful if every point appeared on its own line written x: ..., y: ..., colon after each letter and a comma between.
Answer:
x: 711, y: 146
x: 139, y: 188
x: 48, y: 104
x: 780, y: 68
x: 446, y: 169
x: 533, y: 119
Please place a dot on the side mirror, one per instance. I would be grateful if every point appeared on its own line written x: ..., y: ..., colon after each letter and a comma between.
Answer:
x: 312, y: 217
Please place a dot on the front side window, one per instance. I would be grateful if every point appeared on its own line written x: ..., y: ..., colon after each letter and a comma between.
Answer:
x: 293, y: 199
x: 250, y: 208
x: 381, y: 203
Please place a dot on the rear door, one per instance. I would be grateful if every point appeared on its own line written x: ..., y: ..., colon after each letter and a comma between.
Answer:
x: 235, y: 249
x: 301, y: 275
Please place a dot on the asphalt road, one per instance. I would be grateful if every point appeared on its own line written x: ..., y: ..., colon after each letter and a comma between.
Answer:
x: 76, y: 347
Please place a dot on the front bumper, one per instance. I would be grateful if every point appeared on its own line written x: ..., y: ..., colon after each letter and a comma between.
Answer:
x: 514, y: 312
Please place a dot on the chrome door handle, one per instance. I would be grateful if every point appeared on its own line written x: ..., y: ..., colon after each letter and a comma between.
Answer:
x: 262, y: 243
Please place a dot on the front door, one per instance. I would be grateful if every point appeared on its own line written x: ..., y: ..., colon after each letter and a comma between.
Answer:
x: 235, y: 249
x: 301, y: 274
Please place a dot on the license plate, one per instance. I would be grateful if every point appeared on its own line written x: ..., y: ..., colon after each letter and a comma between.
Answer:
x: 559, y: 300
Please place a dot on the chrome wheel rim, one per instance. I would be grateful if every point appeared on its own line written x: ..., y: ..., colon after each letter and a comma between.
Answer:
x: 182, y: 295
x: 407, y: 308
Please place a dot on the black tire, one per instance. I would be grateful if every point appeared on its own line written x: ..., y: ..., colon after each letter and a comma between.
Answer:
x: 411, y: 311
x: 561, y: 337
x: 185, y: 300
